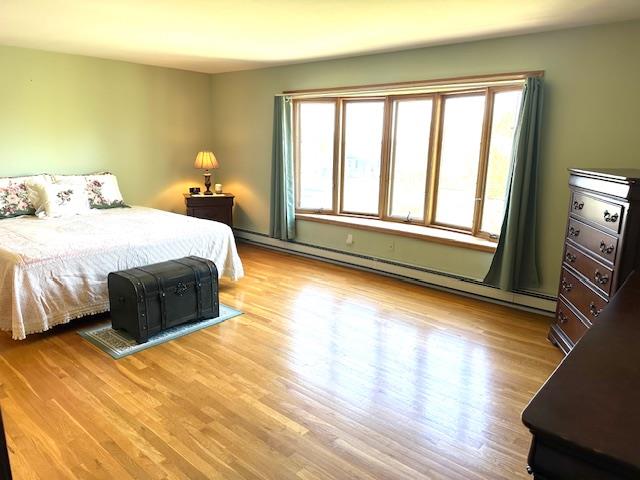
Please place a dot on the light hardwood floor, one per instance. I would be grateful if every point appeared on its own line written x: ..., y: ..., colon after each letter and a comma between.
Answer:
x: 331, y: 373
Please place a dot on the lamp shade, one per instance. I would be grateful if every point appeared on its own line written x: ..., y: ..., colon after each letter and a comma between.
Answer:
x: 206, y: 161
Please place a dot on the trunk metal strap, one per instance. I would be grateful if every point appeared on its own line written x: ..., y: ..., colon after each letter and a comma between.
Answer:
x: 161, y: 294
x: 214, y: 279
x: 142, y: 300
x: 196, y: 274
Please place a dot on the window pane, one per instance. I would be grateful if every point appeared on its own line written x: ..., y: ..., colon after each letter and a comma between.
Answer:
x: 362, y: 150
x: 506, y: 106
x: 317, y: 124
x: 459, y: 159
x: 409, y: 157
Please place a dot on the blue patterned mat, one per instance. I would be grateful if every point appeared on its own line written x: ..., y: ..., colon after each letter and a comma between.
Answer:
x: 119, y: 344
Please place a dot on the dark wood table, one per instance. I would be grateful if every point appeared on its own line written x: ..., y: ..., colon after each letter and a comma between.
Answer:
x: 5, y: 467
x: 217, y: 207
x: 585, y: 419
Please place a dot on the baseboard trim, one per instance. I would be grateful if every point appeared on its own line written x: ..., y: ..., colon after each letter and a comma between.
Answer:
x: 533, y: 302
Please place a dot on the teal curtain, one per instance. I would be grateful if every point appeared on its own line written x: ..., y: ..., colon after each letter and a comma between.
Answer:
x: 514, y: 265
x: 283, y: 219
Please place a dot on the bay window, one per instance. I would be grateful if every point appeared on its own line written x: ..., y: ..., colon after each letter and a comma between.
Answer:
x: 437, y: 159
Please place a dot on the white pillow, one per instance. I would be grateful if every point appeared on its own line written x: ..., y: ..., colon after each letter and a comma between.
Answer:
x: 59, y: 200
x: 102, y: 189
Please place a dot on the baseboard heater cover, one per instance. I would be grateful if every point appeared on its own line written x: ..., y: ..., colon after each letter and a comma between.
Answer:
x: 529, y: 301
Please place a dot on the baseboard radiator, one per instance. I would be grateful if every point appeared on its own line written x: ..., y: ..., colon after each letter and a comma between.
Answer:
x: 529, y: 301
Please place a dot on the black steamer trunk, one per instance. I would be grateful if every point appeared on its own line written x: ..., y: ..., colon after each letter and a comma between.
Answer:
x: 147, y: 300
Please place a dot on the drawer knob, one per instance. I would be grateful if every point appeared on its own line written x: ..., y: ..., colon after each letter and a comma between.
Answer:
x: 600, y: 278
x: 606, y: 249
x: 566, y: 286
x: 574, y: 232
x: 562, y: 317
x: 570, y: 258
x: 593, y: 310
x: 578, y: 205
x: 608, y: 217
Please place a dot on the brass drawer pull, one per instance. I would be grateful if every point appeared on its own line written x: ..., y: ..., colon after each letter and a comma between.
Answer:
x: 593, y: 310
x: 566, y: 286
x: 610, y: 218
x: 606, y: 249
x: 570, y: 258
x: 578, y: 205
x: 600, y: 278
x: 574, y: 232
x: 562, y: 317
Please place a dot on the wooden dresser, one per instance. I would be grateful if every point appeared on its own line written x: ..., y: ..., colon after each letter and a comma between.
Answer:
x: 5, y: 467
x: 601, y: 248
x: 585, y: 418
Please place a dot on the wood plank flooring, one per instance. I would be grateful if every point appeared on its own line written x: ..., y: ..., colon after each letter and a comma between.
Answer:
x: 331, y: 373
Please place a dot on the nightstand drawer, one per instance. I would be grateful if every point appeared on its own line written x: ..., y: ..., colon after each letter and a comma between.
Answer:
x: 207, y: 201
x: 218, y: 214
x: 218, y: 208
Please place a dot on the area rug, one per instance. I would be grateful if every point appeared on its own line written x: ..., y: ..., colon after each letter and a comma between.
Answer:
x: 119, y: 344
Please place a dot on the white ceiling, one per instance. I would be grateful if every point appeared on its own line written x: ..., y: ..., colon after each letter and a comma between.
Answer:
x: 226, y: 35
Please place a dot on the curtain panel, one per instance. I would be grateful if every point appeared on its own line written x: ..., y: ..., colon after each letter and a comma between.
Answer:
x: 514, y: 265
x: 283, y: 215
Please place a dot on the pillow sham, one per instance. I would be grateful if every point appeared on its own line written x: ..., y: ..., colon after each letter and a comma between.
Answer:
x: 60, y: 200
x: 15, y: 199
x: 102, y: 189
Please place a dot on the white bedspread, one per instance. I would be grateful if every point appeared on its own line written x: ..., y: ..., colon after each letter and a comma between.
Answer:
x: 54, y: 270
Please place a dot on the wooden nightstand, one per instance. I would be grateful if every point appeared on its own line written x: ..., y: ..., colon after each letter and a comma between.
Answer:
x: 211, y: 207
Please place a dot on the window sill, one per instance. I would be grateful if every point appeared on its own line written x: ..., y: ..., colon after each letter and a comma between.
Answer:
x: 431, y: 234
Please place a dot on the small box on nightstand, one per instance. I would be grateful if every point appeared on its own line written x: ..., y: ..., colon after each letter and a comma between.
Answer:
x: 217, y: 207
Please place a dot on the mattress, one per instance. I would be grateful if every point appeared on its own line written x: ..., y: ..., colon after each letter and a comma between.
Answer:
x: 54, y: 270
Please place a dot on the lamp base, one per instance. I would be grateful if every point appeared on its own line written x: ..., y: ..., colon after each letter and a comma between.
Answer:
x: 207, y: 183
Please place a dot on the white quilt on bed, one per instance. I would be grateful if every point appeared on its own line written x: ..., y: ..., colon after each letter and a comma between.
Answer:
x: 54, y: 270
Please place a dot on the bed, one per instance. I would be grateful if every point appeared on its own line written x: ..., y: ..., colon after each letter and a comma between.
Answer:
x: 54, y: 270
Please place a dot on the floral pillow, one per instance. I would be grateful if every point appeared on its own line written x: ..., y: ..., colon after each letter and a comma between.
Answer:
x: 15, y: 199
x: 59, y: 200
x: 102, y: 189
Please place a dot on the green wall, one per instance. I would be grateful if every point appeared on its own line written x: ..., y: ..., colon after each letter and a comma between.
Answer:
x: 72, y: 114
x: 591, y: 116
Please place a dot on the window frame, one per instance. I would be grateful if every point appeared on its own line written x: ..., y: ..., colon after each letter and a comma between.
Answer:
x: 484, y: 158
x: 438, y: 158
x: 438, y: 98
x: 389, y: 191
x: 296, y: 154
x: 342, y: 104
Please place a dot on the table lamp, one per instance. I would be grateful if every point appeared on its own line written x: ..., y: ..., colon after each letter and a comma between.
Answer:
x: 206, y: 161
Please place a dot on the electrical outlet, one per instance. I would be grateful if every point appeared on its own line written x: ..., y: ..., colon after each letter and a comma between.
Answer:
x: 349, y: 239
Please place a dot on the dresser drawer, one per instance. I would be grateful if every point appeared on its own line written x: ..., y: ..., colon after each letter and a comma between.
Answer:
x: 607, y: 215
x: 569, y: 322
x: 599, y: 275
x: 578, y: 294
x: 602, y: 245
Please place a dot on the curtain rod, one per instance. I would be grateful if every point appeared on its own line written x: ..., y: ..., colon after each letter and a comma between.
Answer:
x: 451, y: 82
